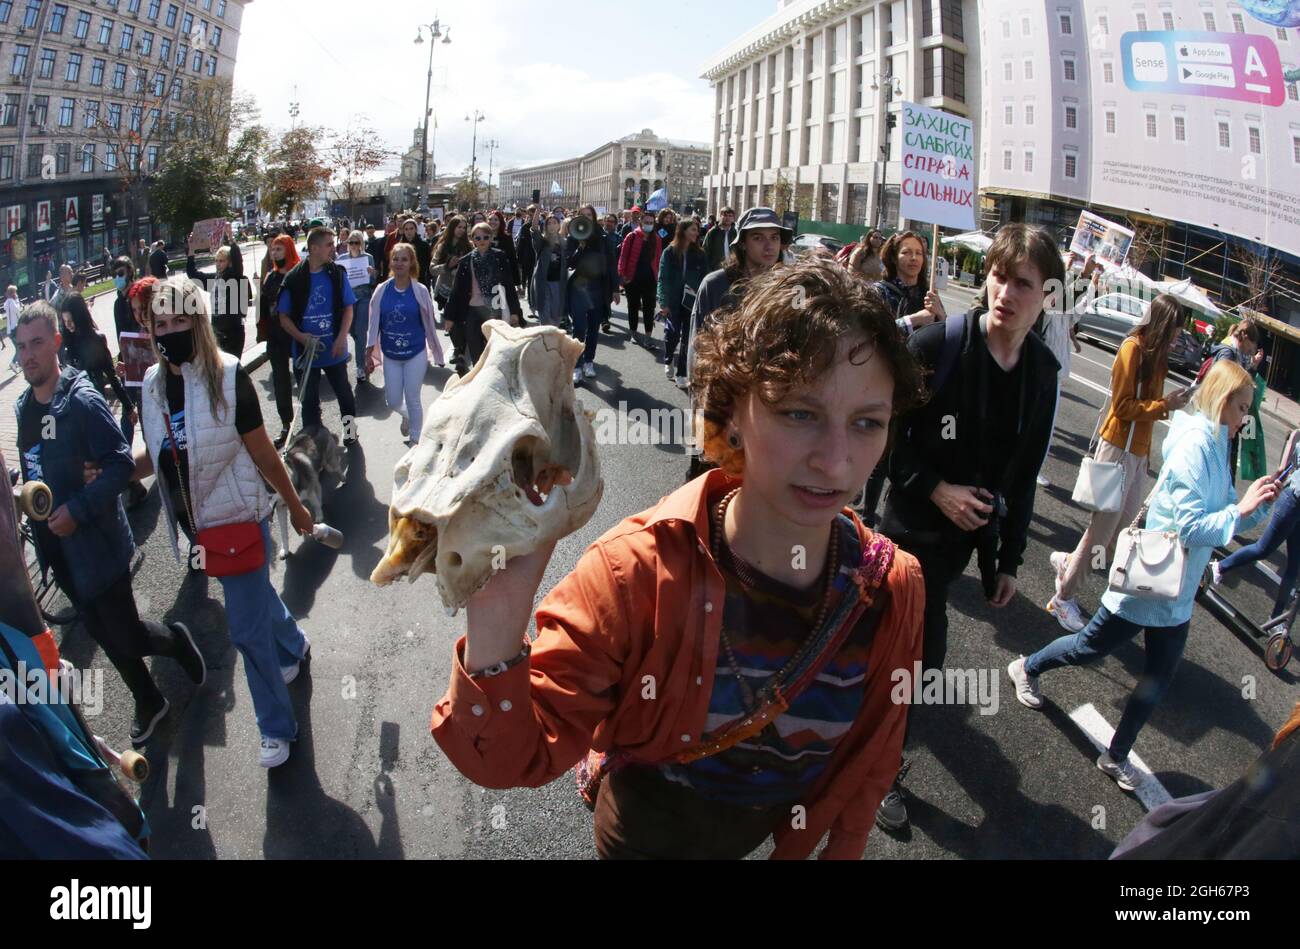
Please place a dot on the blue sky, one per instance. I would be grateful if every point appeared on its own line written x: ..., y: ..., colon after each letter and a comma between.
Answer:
x: 554, y: 79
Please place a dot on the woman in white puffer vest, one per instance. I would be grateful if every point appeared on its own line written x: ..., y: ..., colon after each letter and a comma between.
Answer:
x: 204, y: 437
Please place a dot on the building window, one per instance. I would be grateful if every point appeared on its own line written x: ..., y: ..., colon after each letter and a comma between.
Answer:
x: 1225, y: 135
x: 182, y: 51
x: 57, y: 17
x: 1209, y: 21
x: 212, y: 65
x: 839, y: 44
x: 1029, y: 161
x: 87, y: 158
x: 187, y: 24
x: 1180, y: 128
x: 9, y: 116
x: 97, y: 72
x: 128, y: 37
x: 1069, y: 70
x: 40, y: 110
x: 1238, y: 23
x: 6, y: 162
x: 1108, y: 72
x: 159, y: 84
x: 105, y: 31
x: 1071, y: 117
x: 1006, y: 72
x: 1281, y: 33
x: 198, y: 60
x: 137, y: 113
x: 132, y: 6
x: 115, y: 115
x: 35, y: 154
x: 1029, y: 69
x: 119, y: 76
x: 221, y: 8
x: 91, y: 115
x: 215, y: 39
x: 1067, y: 24
x: 1292, y: 92
x: 21, y: 52
x: 66, y: 108
x: 33, y: 12
x: 73, y: 70
x: 1295, y: 149
x: 1009, y: 115
x: 165, y: 51
x: 1142, y: 22
x: 82, y: 28
x: 154, y: 7
x: 6, y: 9
x: 62, y: 158
x: 1110, y: 121
x: 1025, y: 27
x: 110, y: 158
x: 1253, y: 136
x: 153, y: 157
x: 1006, y: 159
x: 1071, y: 165
x: 1151, y: 125
x: 1167, y: 18
x: 46, y: 70
x: 1029, y: 113
x: 1006, y: 29
x: 1103, y: 25
x: 172, y: 12
x: 146, y: 43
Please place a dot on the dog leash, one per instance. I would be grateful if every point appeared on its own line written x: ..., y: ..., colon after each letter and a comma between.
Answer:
x: 305, y: 359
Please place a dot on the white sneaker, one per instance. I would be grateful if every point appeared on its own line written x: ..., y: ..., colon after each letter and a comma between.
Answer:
x: 1067, y: 613
x: 289, y: 673
x: 577, y: 376
x: 1125, y: 775
x: 1216, y: 574
x: 681, y: 382
x: 274, y: 752
x: 1026, y: 685
x: 1060, y: 561
x: 589, y: 370
x: 1043, y: 482
x: 668, y: 369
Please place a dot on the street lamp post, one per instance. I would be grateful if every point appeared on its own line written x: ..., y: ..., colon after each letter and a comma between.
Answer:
x: 435, y: 31
x: 491, y: 145
x: 893, y: 87
x: 473, y: 152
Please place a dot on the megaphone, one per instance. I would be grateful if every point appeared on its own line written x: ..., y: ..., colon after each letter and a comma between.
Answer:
x: 581, y: 227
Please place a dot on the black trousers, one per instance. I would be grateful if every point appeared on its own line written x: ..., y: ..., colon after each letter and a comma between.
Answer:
x: 472, y: 329
x: 279, y: 353
x: 641, y: 297
x: 230, y: 336
x: 338, y: 379
x: 112, y: 620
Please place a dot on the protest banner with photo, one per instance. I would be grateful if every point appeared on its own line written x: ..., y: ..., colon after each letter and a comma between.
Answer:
x: 1105, y: 239
x: 137, y: 355
x: 209, y: 234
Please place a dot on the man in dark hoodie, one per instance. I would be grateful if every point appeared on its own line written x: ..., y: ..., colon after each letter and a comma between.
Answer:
x: 63, y: 424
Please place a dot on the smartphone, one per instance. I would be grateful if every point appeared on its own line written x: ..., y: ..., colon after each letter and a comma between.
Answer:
x: 1285, y: 474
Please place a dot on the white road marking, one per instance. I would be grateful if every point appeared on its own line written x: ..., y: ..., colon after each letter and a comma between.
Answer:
x: 1091, y: 722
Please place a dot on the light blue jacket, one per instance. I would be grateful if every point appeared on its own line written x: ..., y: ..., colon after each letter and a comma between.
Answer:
x: 1196, y: 496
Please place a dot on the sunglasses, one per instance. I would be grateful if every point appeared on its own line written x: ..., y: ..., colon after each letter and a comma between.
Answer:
x: 480, y: 237
x: 354, y: 243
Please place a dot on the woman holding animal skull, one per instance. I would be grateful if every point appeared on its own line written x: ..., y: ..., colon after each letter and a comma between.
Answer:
x: 204, y: 437
x: 729, y: 652
x: 402, y: 336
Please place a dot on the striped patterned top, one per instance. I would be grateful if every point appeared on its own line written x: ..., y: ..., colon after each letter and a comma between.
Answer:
x: 766, y: 625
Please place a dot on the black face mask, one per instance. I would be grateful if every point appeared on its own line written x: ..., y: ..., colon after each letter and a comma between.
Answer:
x: 178, y: 347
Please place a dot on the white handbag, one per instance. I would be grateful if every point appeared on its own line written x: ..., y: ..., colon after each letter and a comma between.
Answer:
x: 1100, y: 484
x: 1148, y: 564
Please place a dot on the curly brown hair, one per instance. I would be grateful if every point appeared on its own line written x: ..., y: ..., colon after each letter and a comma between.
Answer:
x: 889, y: 252
x: 772, y: 344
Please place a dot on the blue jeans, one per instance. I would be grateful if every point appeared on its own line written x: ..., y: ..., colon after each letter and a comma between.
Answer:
x: 361, y: 323
x: 1106, y: 632
x: 587, y: 316
x: 268, y: 638
x: 1283, y: 525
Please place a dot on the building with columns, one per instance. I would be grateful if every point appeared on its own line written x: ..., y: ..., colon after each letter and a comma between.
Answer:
x: 87, y: 89
x: 809, y: 99
x: 617, y: 175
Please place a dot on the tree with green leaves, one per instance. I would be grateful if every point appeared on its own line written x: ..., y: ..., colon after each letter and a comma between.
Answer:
x: 354, y: 156
x: 467, y: 189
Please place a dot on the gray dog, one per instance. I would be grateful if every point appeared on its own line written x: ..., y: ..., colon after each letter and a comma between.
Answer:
x: 313, y: 453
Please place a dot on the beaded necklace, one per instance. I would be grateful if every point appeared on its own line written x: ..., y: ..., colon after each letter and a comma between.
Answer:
x: 749, y: 577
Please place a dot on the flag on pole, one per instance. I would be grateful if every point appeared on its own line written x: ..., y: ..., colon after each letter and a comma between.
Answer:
x: 556, y: 189
x: 658, y: 201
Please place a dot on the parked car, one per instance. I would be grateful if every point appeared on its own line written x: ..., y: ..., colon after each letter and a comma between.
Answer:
x: 806, y: 242
x: 1111, y: 317
x: 1185, y: 357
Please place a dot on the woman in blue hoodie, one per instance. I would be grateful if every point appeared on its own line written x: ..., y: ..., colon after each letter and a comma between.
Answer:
x: 1194, y: 496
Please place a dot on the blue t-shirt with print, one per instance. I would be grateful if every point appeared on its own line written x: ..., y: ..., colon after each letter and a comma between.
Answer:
x: 318, y: 319
x: 401, y: 330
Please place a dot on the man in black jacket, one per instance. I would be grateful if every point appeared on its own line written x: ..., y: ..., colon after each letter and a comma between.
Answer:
x: 964, y: 463
x: 158, y: 261
x: 375, y: 248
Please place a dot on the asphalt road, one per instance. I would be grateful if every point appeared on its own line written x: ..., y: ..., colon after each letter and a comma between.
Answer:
x: 366, y: 780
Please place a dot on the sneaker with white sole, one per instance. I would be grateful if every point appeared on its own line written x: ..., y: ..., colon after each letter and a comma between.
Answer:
x: 577, y: 376
x: 1125, y: 775
x: 669, y: 369
x: 1043, y: 482
x: 289, y: 673
x: 274, y: 752
x: 681, y: 382
x: 1060, y: 561
x: 1026, y: 685
x: 1216, y: 573
x: 1067, y: 613
x: 589, y: 370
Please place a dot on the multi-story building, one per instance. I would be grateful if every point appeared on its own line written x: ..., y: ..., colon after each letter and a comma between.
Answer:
x: 807, y: 102
x: 617, y: 174
x: 1096, y: 104
x: 86, y: 91
x: 410, y: 173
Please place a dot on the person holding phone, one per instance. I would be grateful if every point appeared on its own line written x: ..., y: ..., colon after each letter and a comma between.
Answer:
x: 1283, y: 525
x: 1137, y: 381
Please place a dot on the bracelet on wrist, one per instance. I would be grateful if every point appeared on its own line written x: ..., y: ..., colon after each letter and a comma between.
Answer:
x: 498, y: 668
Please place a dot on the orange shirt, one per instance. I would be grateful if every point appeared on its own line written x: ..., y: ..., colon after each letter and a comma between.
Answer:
x: 1126, y: 409
x: 626, y: 649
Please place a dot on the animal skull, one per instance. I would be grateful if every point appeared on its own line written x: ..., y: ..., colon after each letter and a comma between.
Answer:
x: 506, y: 463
